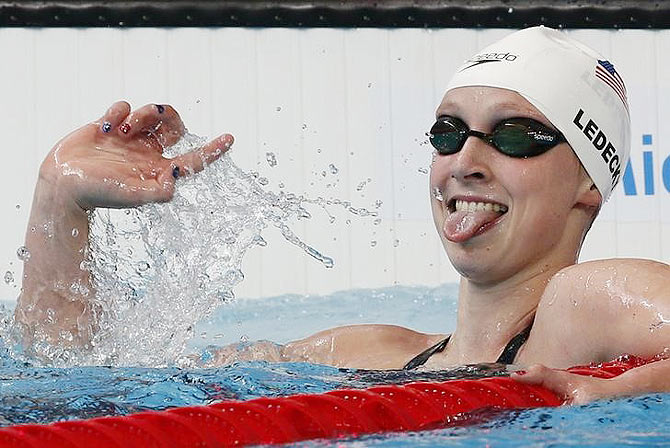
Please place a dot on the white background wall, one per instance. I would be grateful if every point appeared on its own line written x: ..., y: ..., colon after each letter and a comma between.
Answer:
x: 359, y: 99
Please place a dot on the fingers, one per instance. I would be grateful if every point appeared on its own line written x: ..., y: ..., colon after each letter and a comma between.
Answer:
x: 114, y: 116
x: 196, y: 160
x: 161, y: 123
x: 170, y: 128
x: 558, y: 381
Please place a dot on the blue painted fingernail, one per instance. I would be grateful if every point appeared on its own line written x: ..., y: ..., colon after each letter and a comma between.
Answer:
x: 175, y: 172
x: 106, y: 127
x: 160, y: 108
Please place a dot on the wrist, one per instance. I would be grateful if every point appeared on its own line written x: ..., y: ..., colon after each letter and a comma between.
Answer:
x: 55, y: 200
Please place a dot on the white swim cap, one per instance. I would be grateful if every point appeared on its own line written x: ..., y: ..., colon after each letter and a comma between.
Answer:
x: 573, y: 86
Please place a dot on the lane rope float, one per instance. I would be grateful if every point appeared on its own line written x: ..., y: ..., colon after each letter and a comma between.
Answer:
x: 335, y: 414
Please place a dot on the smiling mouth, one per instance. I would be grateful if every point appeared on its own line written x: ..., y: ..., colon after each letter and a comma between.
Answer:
x: 469, y: 218
x: 472, y: 206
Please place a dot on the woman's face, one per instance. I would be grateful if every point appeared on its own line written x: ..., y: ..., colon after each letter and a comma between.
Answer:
x: 498, y: 215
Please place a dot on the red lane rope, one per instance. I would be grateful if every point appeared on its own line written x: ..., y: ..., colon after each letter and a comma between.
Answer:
x: 338, y: 413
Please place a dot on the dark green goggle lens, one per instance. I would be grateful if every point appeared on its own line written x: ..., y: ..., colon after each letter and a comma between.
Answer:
x: 447, y: 136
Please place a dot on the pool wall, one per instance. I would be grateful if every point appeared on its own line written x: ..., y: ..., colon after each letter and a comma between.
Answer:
x: 344, y: 111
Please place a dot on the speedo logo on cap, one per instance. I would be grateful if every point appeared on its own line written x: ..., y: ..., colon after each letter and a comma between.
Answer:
x: 485, y: 58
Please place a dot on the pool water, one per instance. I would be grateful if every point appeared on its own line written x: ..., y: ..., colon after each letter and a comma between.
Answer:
x: 32, y: 394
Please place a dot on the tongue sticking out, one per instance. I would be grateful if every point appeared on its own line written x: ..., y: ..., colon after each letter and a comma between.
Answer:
x: 463, y: 225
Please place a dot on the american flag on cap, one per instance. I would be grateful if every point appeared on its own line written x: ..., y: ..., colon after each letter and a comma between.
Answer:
x: 606, y: 72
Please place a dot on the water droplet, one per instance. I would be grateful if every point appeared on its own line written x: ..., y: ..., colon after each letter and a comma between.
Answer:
x: 373, y: 243
x: 271, y: 159
x: 437, y: 194
x: 143, y: 266
x: 23, y: 253
x: 333, y: 169
x: 377, y: 221
x: 233, y: 277
x: 396, y: 243
x: 48, y: 228
x: 278, y: 108
x: 423, y: 170
x: 18, y: 206
x: 304, y: 126
x: 260, y: 241
x: 9, y: 278
x: 369, y: 85
x: 75, y: 233
x: 281, y: 185
x: 318, y: 150
x: 66, y: 335
x: 230, y: 239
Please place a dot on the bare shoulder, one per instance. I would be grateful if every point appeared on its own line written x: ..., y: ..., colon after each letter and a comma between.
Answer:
x: 361, y: 346
x: 635, y: 272
x: 598, y: 310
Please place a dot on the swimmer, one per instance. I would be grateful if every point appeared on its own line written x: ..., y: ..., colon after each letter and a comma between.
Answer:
x: 529, y: 143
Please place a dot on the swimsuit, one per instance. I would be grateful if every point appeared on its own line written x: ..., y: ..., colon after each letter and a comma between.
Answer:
x: 506, y: 357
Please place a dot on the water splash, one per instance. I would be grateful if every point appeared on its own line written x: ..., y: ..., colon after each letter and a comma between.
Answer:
x: 160, y: 268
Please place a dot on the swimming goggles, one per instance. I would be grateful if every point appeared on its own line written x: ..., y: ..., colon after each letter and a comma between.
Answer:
x: 514, y: 137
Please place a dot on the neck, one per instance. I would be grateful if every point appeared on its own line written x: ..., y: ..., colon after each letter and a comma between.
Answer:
x: 490, y: 315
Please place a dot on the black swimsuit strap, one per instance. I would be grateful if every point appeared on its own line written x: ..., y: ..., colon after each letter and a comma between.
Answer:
x: 506, y: 357
x: 512, y: 348
x: 422, y: 357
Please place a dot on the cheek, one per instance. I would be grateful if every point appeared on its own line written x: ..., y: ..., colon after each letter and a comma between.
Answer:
x: 437, y: 170
x: 546, y: 192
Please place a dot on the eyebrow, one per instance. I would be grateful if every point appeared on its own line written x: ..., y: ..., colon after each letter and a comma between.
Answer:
x: 506, y: 105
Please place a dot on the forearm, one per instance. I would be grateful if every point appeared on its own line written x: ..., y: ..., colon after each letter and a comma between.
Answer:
x: 650, y: 378
x: 581, y: 389
x: 244, y: 351
x: 55, y: 302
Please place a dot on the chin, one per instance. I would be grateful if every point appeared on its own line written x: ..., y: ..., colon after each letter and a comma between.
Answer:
x: 476, y: 265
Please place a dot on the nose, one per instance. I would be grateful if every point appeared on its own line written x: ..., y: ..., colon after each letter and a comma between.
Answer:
x: 471, y: 164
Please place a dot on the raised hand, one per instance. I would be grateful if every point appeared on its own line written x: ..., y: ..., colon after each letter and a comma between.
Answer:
x: 118, y: 162
x: 114, y: 162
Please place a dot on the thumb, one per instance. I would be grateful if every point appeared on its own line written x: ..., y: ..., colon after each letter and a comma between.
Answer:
x: 557, y: 381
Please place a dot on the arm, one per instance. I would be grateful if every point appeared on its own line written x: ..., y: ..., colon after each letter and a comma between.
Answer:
x: 600, y: 310
x: 353, y: 346
x: 607, y: 308
x: 115, y: 162
x: 580, y: 389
